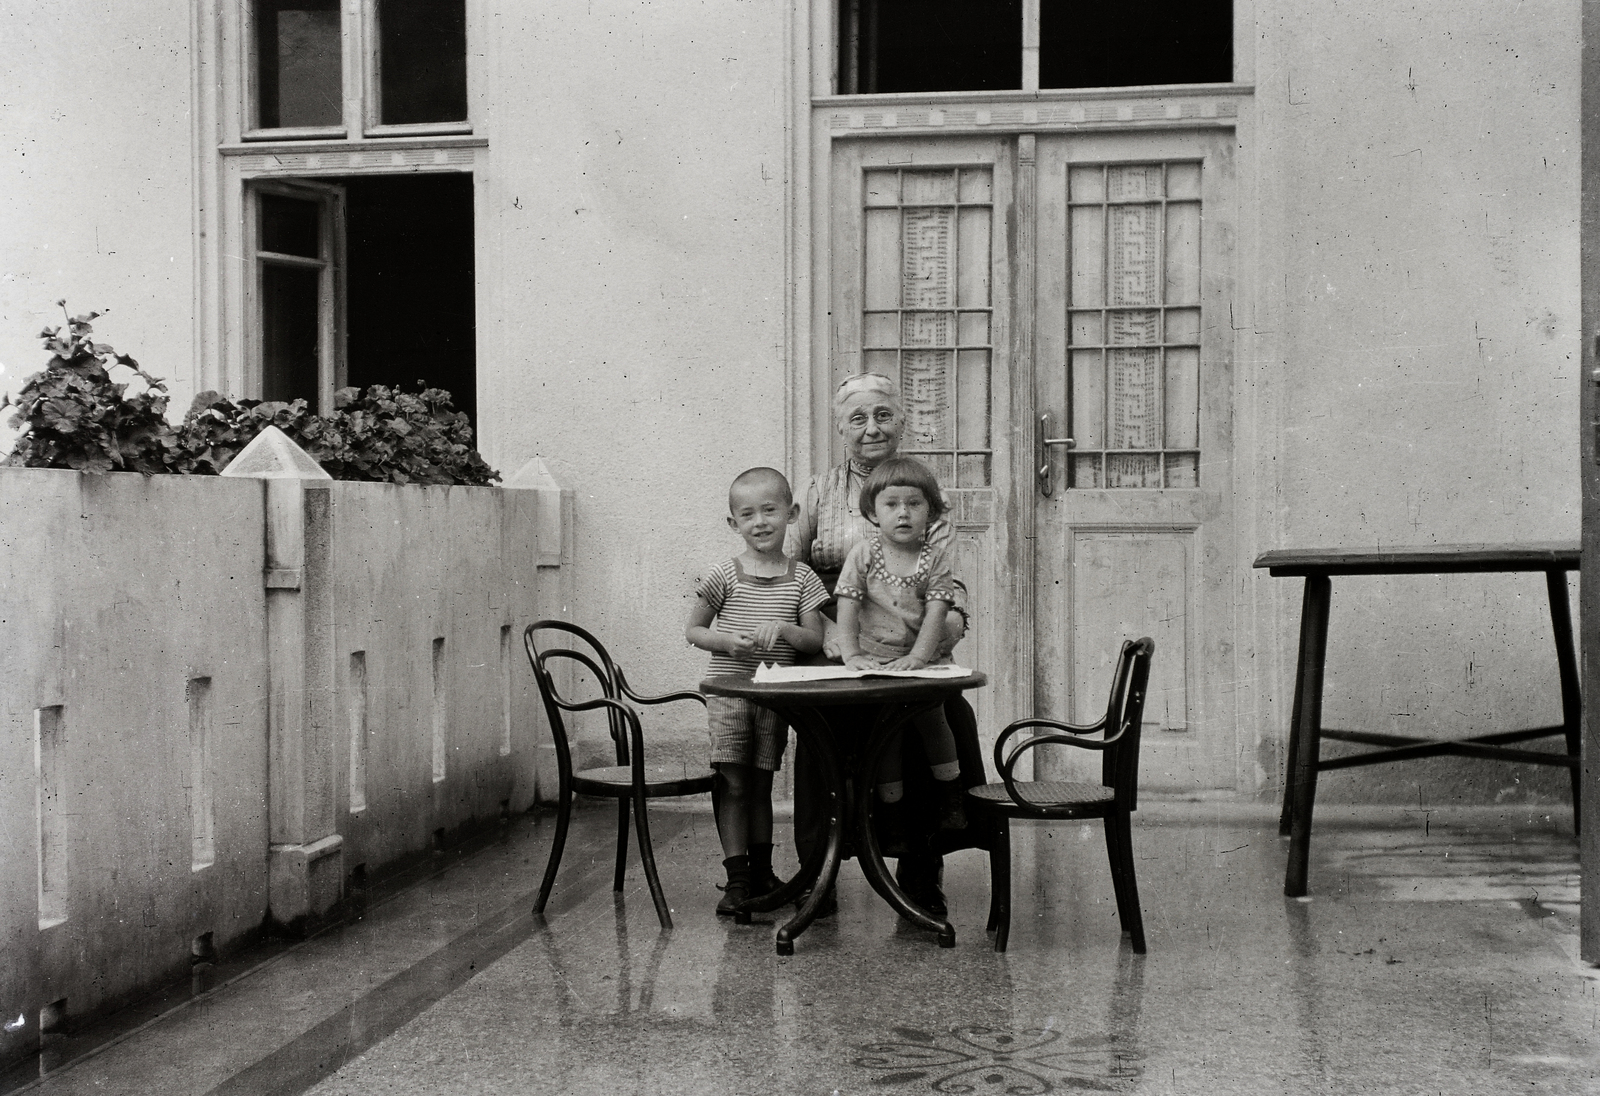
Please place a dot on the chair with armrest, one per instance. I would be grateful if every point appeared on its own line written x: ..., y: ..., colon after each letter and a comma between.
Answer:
x: 632, y: 781
x: 1113, y: 799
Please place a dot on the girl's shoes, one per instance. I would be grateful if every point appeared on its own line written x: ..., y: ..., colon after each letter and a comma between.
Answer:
x: 952, y: 805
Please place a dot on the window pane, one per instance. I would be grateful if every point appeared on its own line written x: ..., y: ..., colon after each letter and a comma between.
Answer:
x: 299, y: 78
x: 930, y: 45
x: 1093, y: 44
x: 289, y: 332
x: 289, y: 225
x: 422, y: 60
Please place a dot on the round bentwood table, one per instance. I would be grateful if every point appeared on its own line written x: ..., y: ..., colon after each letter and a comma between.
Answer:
x: 808, y: 706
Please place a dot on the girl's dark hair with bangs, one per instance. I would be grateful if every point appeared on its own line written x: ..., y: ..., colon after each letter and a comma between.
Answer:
x: 902, y: 472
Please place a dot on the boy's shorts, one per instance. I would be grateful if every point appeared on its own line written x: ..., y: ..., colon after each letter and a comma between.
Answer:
x: 743, y: 733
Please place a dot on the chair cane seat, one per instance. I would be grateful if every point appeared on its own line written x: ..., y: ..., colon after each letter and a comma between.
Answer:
x: 1046, y: 794
x: 660, y: 780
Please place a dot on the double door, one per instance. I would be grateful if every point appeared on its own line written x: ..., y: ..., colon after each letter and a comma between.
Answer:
x: 1056, y: 308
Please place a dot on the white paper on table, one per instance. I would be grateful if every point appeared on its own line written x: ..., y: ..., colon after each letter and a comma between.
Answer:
x: 766, y: 674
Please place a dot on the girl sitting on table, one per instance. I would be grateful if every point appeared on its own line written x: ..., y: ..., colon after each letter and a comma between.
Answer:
x: 894, y: 591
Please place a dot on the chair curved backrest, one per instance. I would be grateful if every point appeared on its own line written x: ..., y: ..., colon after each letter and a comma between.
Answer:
x: 597, y: 661
x: 1125, y: 720
x: 1116, y: 733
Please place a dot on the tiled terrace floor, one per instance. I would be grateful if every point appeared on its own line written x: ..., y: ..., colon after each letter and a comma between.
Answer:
x: 1438, y: 954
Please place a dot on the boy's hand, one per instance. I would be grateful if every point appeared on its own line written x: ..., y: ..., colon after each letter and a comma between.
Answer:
x: 909, y: 662
x: 740, y: 643
x: 859, y: 662
x: 767, y: 636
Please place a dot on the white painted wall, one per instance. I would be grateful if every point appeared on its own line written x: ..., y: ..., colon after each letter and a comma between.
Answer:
x: 97, y: 204
x: 636, y: 211
x: 1411, y: 352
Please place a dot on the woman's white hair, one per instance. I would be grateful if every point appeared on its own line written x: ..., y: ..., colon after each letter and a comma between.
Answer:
x: 867, y: 382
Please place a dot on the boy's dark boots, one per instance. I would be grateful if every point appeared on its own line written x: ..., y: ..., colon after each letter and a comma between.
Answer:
x: 952, y: 800
x: 738, y: 888
x: 763, y: 880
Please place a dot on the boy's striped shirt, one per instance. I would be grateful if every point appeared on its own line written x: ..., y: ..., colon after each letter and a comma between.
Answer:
x: 745, y: 602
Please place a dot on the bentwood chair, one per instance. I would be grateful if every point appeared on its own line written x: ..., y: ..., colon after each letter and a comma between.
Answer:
x: 632, y: 781
x: 1113, y: 799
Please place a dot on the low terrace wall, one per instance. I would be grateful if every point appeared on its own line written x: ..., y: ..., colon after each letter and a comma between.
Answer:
x: 221, y: 698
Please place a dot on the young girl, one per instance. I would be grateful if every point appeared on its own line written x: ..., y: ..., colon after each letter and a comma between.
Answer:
x: 894, y: 590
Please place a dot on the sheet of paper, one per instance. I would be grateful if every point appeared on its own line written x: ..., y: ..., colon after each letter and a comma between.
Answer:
x: 771, y: 674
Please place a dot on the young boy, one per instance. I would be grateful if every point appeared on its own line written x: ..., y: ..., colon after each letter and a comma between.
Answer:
x: 767, y: 609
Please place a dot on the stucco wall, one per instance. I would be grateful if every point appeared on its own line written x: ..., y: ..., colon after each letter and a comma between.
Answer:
x: 97, y: 203
x: 1414, y: 340
x: 412, y: 566
x: 140, y: 656
x: 636, y: 343
x: 116, y: 592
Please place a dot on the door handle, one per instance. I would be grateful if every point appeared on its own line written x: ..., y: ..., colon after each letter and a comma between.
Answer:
x: 1044, y: 462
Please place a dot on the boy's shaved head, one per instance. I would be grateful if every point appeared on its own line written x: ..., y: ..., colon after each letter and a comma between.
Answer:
x: 761, y: 479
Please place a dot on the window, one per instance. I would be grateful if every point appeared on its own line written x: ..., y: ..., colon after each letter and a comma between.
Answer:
x: 890, y: 46
x: 297, y: 263
x: 362, y: 280
x: 409, y: 77
x: 930, y: 45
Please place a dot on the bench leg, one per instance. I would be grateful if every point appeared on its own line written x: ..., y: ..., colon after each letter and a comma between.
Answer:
x: 1307, y: 731
x: 1287, y: 813
x: 1571, y: 692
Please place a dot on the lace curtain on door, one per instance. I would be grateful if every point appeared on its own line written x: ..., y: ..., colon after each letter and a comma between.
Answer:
x: 1134, y: 321
x: 927, y: 310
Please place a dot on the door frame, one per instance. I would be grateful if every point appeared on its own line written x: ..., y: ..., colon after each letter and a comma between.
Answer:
x: 1018, y: 118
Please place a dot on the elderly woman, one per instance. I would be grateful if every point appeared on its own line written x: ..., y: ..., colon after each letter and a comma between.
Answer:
x: 869, y: 416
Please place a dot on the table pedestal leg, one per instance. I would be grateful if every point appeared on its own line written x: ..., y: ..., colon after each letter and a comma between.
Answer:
x: 1306, y: 734
x: 815, y: 729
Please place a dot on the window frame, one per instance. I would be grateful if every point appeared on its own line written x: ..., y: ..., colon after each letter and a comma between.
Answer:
x: 332, y: 368
x: 360, y: 66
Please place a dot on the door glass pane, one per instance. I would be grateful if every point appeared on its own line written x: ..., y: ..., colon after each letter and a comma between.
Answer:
x: 927, y: 288
x: 422, y: 61
x: 290, y: 326
x: 299, y: 76
x: 1134, y: 261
